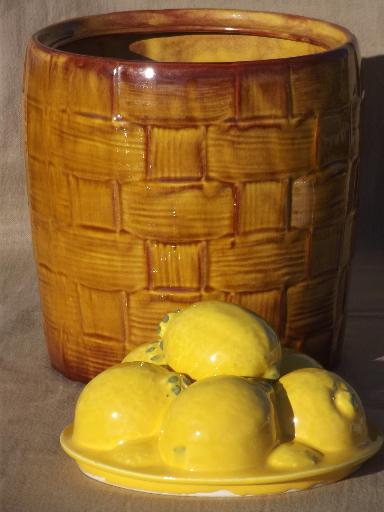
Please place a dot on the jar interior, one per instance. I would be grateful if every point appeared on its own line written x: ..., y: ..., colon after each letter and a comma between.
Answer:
x: 190, y: 47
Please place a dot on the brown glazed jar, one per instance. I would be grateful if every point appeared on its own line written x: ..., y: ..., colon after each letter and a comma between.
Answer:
x: 183, y: 155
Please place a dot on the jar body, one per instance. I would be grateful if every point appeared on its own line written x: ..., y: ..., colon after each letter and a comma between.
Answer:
x: 153, y: 186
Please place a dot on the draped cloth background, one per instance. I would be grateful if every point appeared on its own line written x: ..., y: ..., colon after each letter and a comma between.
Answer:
x: 36, y: 402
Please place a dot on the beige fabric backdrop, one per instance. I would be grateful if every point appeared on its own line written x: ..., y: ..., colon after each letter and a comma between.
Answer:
x: 36, y: 402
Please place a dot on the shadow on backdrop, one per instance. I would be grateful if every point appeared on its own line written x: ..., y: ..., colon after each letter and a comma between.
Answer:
x: 370, y: 225
x: 364, y: 369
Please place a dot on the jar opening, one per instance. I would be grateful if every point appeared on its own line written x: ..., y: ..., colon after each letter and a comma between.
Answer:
x: 194, y: 36
x: 191, y: 47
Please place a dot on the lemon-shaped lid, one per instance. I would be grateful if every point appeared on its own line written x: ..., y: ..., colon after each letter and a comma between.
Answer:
x: 142, y: 425
x: 292, y: 360
x: 220, y: 423
x: 147, y: 352
x: 123, y: 403
x: 320, y: 409
x: 218, y: 338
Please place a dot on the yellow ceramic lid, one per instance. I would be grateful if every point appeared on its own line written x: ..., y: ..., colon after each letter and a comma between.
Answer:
x: 218, y: 338
x: 220, y: 424
x: 322, y: 410
x: 144, y: 426
x: 148, y: 352
x: 124, y: 403
x: 292, y: 360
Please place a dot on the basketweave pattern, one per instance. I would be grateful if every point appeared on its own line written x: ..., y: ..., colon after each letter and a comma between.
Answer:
x: 145, y: 198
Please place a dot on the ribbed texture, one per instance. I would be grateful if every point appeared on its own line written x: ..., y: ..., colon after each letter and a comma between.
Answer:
x: 239, y: 186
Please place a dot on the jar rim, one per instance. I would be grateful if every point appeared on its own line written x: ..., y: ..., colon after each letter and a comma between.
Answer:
x: 333, y: 38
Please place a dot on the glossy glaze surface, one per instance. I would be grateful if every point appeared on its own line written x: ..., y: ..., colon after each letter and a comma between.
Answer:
x: 292, y: 360
x: 154, y: 185
x: 148, y: 352
x: 228, y: 433
x: 326, y: 412
x: 220, y: 48
x: 125, y: 403
x: 220, y: 424
x: 216, y: 338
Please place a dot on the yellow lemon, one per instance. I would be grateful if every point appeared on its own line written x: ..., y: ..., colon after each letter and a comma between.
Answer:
x: 321, y: 410
x: 294, y: 456
x: 217, y: 338
x: 221, y: 424
x: 147, y: 352
x: 125, y: 402
x: 292, y: 360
